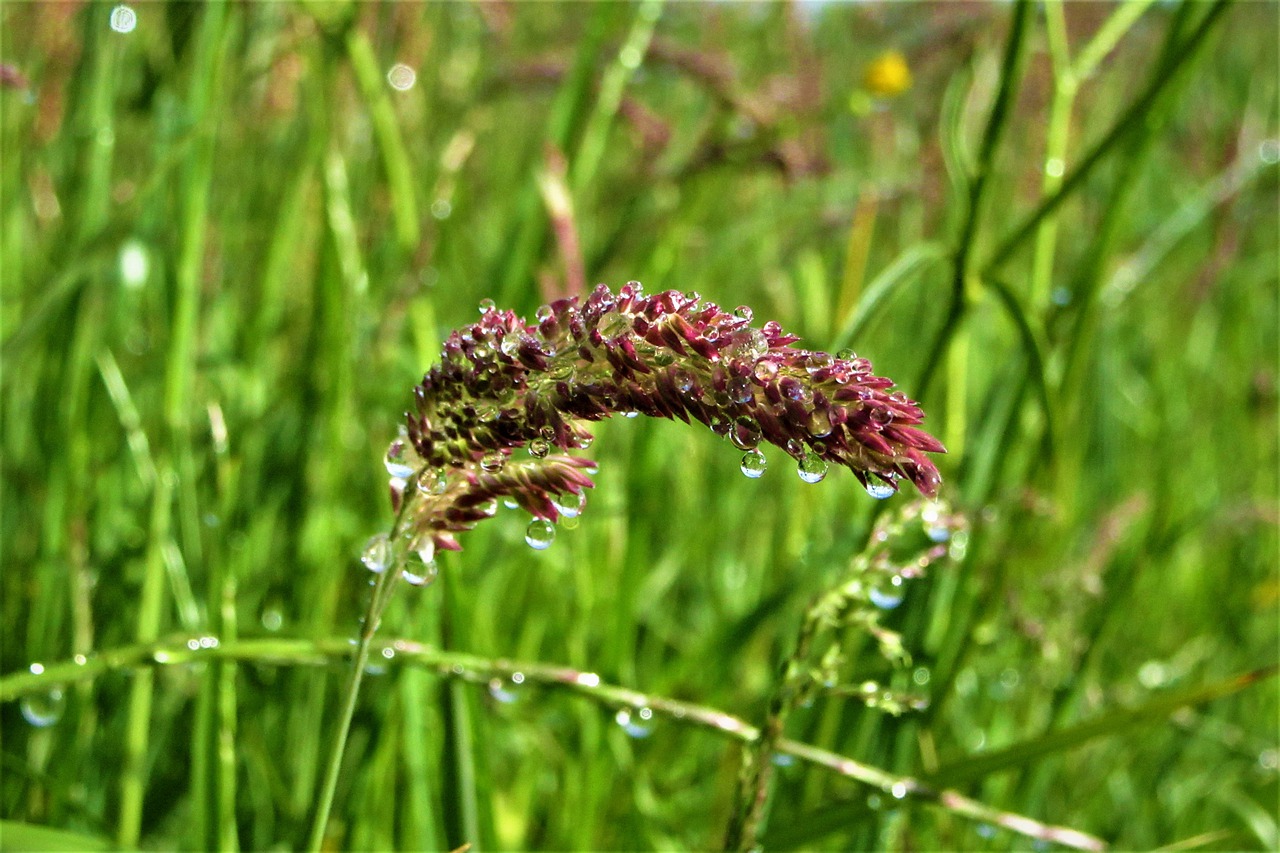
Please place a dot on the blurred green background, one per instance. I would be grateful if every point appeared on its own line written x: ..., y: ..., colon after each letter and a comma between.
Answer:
x: 234, y: 237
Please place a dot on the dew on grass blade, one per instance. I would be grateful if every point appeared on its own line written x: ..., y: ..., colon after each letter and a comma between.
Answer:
x: 754, y: 464
x: 43, y: 709
x: 637, y: 723
x: 812, y: 468
x: 377, y: 553
x: 540, y: 534
x: 504, y: 689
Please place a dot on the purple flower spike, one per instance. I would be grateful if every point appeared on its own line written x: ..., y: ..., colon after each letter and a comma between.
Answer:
x: 504, y: 384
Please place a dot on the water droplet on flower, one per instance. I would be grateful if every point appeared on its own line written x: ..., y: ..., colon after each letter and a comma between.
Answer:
x: 880, y: 490
x: 433, y: 482
x: 745, y: 434
x: 570, y: 505
x: 400, y: 459
x: 754, y: 464
x: 486, y: 305
x: 614, y: 326
x: 898, y: 790
x: 419, y: 572
x: 794, y: 390
x: 377, y: 553
x: 683, y: 381
x: 719, y: 425
x: 636, y: 723
x: 43, y: 709
x: 812, y: 468
x: 493, y: 461
x: 509, y: 346
x: 540, y: 534
x: 740, y: 390
x: 846, y: 355
x: 539, y: 448
x: 743, y: 312
x: 765, y: 370
x: 819, y: 423
x: 818, y: 361
x: 663, y: 357
x: 486, y: 412
x: 543, y: 312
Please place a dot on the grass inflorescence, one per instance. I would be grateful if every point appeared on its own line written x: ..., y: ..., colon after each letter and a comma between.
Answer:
x: 234, y: 237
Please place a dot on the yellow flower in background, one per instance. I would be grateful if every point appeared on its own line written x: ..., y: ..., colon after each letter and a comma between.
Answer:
x: 887, y: 75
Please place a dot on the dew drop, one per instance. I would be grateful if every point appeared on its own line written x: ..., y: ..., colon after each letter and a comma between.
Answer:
x: 888, y: 592
x: 846, y: 355
x: 880, y: 490
x: 812, y: 468
x: 636, y: 723
x: 745, y: 434
x: 543, y: 312
x: 377, y: 553
x: 766, y: 370
x: 740, y: 390
x: 44, y: 709
x: 683, y: 380
x: 272, y: 615
x: 493, y: 461
x: 743, y: 312
x: 720, y: 425
x: 754, y: 464
x: 898, y: 790
x: 486, y: 305
x: 503, y: 691
x: 420, y: 573
x: 818, y: 361
x: 399, y: 459
x: 570, y: 505
x: 433, y: 482
x: 663, y: 357
x: 613, y: 326
x: 540, y: 534
x: 539, y: 448
x: 820, y: 423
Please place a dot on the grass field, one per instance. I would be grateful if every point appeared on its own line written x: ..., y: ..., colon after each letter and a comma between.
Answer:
x: 234, y: 237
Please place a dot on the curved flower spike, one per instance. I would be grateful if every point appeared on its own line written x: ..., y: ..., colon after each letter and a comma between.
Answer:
x: 504, y: 384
